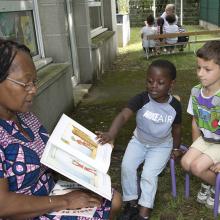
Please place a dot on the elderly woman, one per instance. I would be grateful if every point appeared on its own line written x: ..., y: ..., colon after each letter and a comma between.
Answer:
x: 25, y: 183
x: 169, y: 10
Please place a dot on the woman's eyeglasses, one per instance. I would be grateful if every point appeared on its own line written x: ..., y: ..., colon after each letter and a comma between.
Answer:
x: 27, y: 86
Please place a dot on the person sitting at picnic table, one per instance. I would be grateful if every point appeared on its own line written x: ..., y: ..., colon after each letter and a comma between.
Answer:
x: 169, y: 10
x: 149, y: 29
x: 169, y: 29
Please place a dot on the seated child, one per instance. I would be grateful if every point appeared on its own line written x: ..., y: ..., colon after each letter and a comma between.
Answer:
x: 203, y: 157
x: 149, y: 29
x: 157, y: 133
x: 171, y: 28
x: 160, y: 24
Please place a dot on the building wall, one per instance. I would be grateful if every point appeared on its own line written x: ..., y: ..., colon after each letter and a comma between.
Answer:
x: 55, y: 94
x: 54, y: 26
x: 83, y: 39
x: 86, y: 52
x: 104, y: 46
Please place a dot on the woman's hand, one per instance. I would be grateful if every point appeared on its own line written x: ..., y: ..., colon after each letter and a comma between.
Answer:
x: 104, y: 137
x: 82, y: 199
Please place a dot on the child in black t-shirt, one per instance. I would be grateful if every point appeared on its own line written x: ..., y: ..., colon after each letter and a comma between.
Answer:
x: 157, y: 132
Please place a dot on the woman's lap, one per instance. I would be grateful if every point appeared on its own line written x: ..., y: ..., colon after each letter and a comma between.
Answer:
x: 101, y: 213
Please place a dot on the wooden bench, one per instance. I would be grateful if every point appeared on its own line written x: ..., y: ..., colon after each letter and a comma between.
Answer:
x: 193, y: 39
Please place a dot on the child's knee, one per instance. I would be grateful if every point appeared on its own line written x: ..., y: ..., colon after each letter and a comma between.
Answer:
x: 127, y: 168
x: 196, y: 169
x: 185, y: 163
x: 116, y: 202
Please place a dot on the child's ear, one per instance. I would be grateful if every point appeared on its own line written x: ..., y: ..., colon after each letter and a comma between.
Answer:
x: 172, y: 83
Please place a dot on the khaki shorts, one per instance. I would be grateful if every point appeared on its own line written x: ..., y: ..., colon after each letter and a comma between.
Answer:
x: 210, y: 149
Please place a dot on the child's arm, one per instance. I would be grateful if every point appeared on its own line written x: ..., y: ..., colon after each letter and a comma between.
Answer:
x: 118, y: 122
x: 215, y: 167
x: 195, y: 130
x: 176, y: 133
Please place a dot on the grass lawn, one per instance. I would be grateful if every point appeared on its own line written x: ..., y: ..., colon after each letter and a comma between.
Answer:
x: 111, y: 93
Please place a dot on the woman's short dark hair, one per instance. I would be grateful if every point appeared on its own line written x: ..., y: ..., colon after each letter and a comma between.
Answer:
x: 210, y: 51
x: 8, y: 51
x: 166, y: 65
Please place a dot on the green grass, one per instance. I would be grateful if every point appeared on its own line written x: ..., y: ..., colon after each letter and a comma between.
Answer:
x: 111, y: 93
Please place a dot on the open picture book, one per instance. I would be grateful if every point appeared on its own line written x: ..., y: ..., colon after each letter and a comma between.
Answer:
x: 73, y: 151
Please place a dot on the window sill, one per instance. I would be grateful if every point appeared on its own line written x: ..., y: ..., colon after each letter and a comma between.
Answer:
x: 99, y: 40
x: 42, y: 62
x: 98, y: 31
x: 50, y: 74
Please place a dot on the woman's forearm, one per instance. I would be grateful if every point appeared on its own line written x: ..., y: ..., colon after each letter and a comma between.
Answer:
x: 19, y: 206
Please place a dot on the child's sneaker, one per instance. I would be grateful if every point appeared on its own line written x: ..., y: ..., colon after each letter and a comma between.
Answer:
x: 139, y: 217
x: 203, y: 193
x: 130, y: 210
x: 211, y: 198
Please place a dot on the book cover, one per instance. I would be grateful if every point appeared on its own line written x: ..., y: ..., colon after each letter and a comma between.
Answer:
x: 72, y: 150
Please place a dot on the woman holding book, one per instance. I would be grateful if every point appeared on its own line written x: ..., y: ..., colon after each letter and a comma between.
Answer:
x: 25, y: 183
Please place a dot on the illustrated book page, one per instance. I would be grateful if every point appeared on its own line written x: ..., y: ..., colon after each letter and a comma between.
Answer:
x: 73, y: 151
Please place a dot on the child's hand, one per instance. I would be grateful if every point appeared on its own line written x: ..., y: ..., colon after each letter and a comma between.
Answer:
x: 176, y: 153
x: 215, y: 167
x: 104, y: 137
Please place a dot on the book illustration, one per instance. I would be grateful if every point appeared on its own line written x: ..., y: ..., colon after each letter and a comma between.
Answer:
x: 83, y: 167
x: 72, y: 150
x: 85, y: 137
x: 86, y: 171
x: 63, y: 187
x: 73, y: 134
x: 74, y: 165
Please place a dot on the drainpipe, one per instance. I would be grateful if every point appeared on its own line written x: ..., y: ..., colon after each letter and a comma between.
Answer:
x: 181, y: 12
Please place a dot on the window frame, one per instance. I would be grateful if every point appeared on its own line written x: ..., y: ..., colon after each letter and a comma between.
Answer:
x: 95, y: 32
x: 30, y: 5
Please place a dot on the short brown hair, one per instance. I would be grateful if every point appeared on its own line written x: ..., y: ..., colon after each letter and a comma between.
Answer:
x: 210, y: 51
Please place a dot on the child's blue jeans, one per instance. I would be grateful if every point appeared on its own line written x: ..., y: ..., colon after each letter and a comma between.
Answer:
x: 155, y: 159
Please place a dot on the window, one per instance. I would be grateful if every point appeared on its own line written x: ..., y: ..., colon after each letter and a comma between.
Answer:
x: 96, y: 17
x: 19, y: 21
